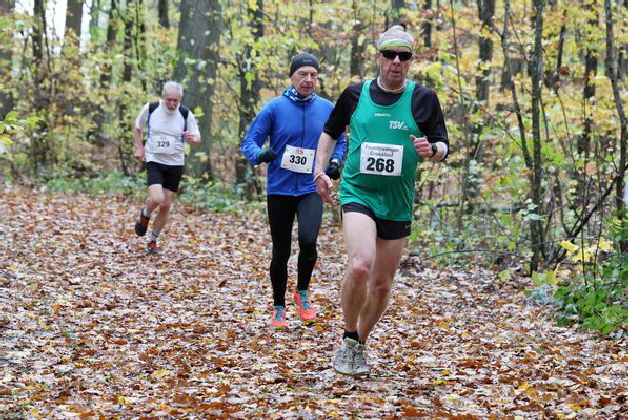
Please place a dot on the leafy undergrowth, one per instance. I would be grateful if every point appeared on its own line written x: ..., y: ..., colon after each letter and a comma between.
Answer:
x: 92, y: 327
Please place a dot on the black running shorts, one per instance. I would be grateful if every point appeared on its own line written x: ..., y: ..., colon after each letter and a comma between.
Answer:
x: 168, y: 176
x: 386, y: 229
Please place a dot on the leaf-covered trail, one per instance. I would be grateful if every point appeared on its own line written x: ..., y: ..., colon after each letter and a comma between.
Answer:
x: 92, y: 327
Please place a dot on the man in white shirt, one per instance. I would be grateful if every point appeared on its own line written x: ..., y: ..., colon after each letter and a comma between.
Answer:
x: 169, y: 125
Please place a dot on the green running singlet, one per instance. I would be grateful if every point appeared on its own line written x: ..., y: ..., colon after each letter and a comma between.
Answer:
x: 381, y: 163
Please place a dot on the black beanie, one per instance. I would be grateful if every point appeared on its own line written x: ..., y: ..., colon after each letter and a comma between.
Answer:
x: 303, y: 60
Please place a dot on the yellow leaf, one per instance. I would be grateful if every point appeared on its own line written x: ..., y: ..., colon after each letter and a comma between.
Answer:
x: 524, y: 386
x: 443, y: 325
x: 605, y: 245
x: 446, y: 372
x: 160, y: 373
x: 568, y: 246
x: 121, y: 399
x: 583, y: 255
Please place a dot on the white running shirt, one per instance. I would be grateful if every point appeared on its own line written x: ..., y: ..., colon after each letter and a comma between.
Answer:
x: 164, y: 124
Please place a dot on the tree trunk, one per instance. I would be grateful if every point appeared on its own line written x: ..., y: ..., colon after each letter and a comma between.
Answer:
x: 6, y: 55
x: 94, y: 15
x: 357, y: 47
x: 426, y: 23
x: 199, y: 34
x: 73, y: 15
x: 249, y: 98
x: 537, y: 192
x: 486, y: 11
x: 124, y: 118
x: 96, y: 135
x: 590, y: 69
x: 395, y: 7
x: 140, y: 41
x: 611, y: 71
x: 163, y: 14
x: 507, y: 80
x: 40, y: 152
x: 553, y: 79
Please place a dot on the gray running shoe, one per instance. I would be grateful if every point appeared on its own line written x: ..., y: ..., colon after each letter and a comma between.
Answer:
x: 360, y: 366
x: 343, y: 363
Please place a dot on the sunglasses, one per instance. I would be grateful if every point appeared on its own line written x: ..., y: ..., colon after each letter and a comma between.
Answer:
x: 403, y: 55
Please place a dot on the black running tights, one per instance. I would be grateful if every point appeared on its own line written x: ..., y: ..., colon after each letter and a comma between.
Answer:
x: 281, y: 212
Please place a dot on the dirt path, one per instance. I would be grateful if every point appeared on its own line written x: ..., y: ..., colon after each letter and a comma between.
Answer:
x: 92, y: 327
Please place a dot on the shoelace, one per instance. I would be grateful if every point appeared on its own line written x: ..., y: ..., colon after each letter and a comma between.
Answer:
x: 348, y: 355
x: 279, y: 310
x: 304, y: 301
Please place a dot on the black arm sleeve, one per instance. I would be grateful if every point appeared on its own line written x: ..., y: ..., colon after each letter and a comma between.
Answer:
x: 345, y: 107
x: 428, y: 115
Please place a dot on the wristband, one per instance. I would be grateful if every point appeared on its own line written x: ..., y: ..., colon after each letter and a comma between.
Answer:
x: 319, y: 174
x: 434, y: 150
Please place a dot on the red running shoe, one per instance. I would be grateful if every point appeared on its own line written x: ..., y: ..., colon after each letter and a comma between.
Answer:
x: 141, y: 225
x: 152, y: 247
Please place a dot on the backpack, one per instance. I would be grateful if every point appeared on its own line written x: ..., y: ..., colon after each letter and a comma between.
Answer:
x: 182, y: 110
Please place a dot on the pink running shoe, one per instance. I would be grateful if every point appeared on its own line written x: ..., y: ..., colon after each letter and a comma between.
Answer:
x: 279, y: 318
x: 307, y: 313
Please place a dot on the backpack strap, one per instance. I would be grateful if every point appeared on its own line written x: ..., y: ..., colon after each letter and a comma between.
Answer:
x: 152, y: 106
x: 184, y: 113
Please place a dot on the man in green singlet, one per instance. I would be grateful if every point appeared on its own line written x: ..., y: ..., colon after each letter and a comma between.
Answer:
x: 394, y: 124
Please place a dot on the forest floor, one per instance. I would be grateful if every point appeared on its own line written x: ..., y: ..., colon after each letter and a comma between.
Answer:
x: 93, y: 327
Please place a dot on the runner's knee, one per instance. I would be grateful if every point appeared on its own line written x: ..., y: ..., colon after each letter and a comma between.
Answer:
x: 281, y: 255
x: 360, y: 268
x: 381, y: 290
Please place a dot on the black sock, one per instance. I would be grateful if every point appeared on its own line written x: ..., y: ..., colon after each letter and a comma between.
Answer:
x: 351, y: 334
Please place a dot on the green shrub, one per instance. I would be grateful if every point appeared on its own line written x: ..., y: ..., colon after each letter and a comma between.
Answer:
x: 599, y: 300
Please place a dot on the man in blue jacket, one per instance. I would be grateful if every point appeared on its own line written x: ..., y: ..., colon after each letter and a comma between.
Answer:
x: 293, y: 123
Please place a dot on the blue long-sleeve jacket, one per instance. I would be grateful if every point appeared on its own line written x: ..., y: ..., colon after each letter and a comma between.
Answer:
x: 288, y: 122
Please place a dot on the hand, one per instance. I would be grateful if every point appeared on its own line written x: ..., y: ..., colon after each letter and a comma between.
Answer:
x: 191, y: 138
x: 139, y: 154
x: 323, y: 188
x: 333, y: 170
x: 266, y: 156
x: 422, y: 146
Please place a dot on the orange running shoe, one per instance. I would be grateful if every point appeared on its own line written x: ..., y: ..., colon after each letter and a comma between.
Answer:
x: 279, y: 318
x: 306, y: 312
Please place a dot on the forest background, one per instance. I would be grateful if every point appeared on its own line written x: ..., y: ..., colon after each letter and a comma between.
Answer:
x: 533, y: 93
